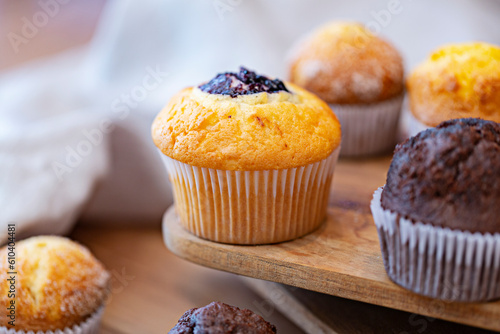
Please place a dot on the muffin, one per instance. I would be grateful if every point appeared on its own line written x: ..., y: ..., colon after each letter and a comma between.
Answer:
x: 456, y: 81
x: 59, y: 285
x: 220, y: 318
x: 361, y: 76
x: 438, y: 214
x: 251, y: 159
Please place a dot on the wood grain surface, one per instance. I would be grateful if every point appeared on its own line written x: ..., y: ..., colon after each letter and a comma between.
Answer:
x: 321, y: 313
x: 152, y: 288
x: 342, y: 258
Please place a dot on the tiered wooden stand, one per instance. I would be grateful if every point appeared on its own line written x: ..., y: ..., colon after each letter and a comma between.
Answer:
x: 342, y: 258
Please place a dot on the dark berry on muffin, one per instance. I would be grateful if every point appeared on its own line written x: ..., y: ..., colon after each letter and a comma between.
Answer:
x: 243, y: 83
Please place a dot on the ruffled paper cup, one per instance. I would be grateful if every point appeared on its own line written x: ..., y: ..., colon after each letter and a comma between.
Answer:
x: 251, y: 207
x: 438, y: 262
x: 89, y: 326
x: 414, y: 126
x: 369, y: 129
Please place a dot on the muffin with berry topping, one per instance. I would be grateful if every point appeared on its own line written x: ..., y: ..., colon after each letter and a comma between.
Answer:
x: 250, y: 158
x: 361, y: 76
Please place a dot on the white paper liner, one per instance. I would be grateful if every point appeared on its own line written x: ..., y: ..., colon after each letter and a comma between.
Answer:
x: 438, y: 262
x: 251, y: 207
x: 415, y: 126
x: 369, y: 129
x: 89, y: 326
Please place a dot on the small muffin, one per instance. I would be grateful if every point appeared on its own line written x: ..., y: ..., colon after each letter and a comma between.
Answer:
x: 59, y: 285
x: 456, y: 81
x: 220, y: 318
x: 251, y: 159
x: 361, y: 76
x: 438, y: 214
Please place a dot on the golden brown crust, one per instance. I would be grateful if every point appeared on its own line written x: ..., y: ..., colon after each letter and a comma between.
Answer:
x: 343, y: 63
x: 249, y: 132
x: 59, y: 284
x: 457, y: 81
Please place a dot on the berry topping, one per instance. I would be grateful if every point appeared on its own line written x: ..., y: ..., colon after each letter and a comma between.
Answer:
x: 243, y: 83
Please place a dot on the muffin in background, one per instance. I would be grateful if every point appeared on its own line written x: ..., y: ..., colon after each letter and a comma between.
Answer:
x: 361, y: 76
x: 251, y: 159
x: 221, y: 318
x: 60, y: 285
x: 455, y: 81
x: 437, y: 215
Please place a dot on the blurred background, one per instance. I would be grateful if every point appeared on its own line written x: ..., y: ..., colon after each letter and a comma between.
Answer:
x: 81, y: 82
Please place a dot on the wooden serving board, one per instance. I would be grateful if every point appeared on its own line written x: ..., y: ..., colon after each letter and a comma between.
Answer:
x: 320, y: 313
x: 342, y: 258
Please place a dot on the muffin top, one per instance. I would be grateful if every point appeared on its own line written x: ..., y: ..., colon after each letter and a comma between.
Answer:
x: 344, y: 63
x: 220, y: 318
x: 244, y: 121
x: 448, y: 176
x: 457, y: 81
x: 58, y: 284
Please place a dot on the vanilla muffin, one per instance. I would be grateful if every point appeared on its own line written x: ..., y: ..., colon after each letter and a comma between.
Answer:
x: 456, y: 81
x: 437, y: 215
x: 59, y: 285
x: 361, y: 76
x: 251, y: 159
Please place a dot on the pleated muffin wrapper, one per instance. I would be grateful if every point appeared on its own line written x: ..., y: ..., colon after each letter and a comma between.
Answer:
x: 369, y: 129
x: 438, y: 262
x: 89, y: 326
x: 414, y: 125
x: 251, y: 207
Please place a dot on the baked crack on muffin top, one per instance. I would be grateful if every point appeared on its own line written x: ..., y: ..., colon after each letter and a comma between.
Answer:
x: 448, y: 176
x: 243, y: 83
x: 344, y: 63
x: 220, y: 318
x: 457, y: 81
x: 60, y: 284
x: 276, y: 129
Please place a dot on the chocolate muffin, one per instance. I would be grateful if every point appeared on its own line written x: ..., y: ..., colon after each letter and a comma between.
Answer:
x: 220, y: 318
x: 448, y: 176
x: 437, y: 217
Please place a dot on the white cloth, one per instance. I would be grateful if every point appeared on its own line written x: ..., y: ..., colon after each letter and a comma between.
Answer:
x: 49, y: 108
x: 50, y: 156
